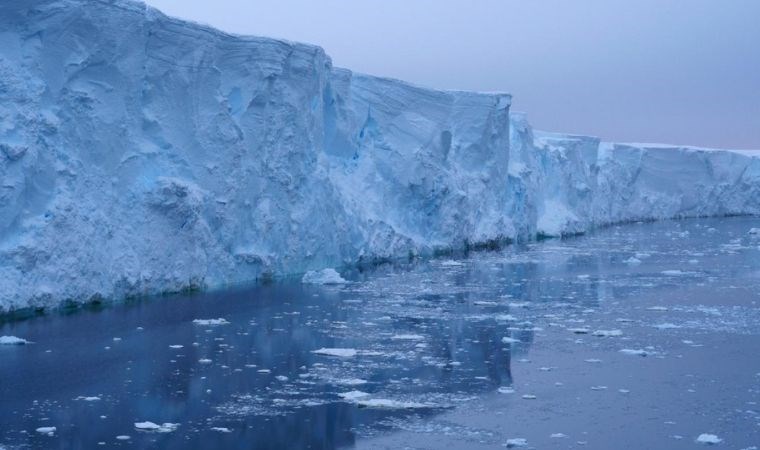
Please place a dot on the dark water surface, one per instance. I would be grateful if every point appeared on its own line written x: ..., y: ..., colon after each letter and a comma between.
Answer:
x: 441, y: 354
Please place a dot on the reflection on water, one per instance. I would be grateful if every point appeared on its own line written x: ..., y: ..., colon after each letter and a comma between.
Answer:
x: 310, y: 367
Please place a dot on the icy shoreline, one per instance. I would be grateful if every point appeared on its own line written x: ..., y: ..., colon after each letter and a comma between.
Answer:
x: 143, y: 155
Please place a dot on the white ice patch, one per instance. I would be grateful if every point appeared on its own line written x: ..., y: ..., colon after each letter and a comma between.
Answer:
x: 509, y: 340
x: 13, y: 340
x: 384, y: 403
x: 708, y: 439
x: 211, y: 322
x: 221, y: 429
x: 46, y: 430
x: 88, y: 399
x: 608, y: 333
x: 339, y: 352
x: 151, y: 427
x: 324, y: 276
x: 407, y: 337
x: 353, y: 396
x: 634, y: 352
x: 516, y: 442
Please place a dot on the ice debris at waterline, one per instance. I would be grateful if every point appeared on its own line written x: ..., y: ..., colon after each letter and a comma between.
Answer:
x: 324, y: 276
x: 142, y: 154
x: 13, y: 340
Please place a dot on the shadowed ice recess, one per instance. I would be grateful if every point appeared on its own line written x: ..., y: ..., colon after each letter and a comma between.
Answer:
x: 649, y: 329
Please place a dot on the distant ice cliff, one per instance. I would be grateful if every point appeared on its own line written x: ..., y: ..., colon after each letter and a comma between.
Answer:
x: 141, y: 154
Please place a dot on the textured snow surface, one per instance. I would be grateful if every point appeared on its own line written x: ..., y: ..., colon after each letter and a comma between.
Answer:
x: 141, y: 154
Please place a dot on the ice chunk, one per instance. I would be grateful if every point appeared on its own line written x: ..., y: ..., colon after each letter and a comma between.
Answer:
x: 340, y: 352
x: 13, y: 340
x: 324, y: 276
x: 88, y: 399
x: 352, y: 396
x: 46, y: 430
x: 708, y: 439
x: 607, y: 333
x: 516, y: 442
x: 635, y: 352
x: 509, y: 340
x: 407, y: 337
x: 384, y: 403
x: 221, y: 429
x: 211, y: 322
x: 153, y: 427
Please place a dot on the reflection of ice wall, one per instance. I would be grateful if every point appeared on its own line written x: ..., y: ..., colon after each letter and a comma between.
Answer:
x: 142, y: 154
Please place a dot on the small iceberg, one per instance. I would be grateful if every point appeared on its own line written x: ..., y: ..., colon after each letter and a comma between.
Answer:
x: 156, y: 428
x: 708, y: 439
x: 211, y: 322
x: 339, y: 352
x: 13, y: 340
x: 324, y: 276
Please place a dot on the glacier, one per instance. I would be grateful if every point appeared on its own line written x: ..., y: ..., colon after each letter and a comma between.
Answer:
x: 142, y: 154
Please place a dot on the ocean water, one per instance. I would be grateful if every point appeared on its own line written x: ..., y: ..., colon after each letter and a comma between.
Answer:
x: 636, y: 336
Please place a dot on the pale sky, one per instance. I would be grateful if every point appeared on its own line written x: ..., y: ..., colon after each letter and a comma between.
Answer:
x: 670, y: 71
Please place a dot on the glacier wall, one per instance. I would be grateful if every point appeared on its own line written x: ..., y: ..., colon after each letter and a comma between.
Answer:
x: 141, y: 154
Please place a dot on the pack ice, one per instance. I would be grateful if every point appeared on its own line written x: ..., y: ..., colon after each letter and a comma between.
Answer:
x: 141, y: 154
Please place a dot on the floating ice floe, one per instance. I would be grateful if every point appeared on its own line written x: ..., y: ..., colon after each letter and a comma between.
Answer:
x: 607, y: 333
x: 340, y: 352
x: 666, y: 326
x: 516, y: 442
x: 384, y: 403
x: 176, y: 346
x: 529, y: 397
x: 46, y: 430
x: 451, y: 263
x: 221, y: 429
x: 324, y: 276
x: 558, y: 435
x: 634, y: 352
x: 350, y: 382
x: 708, y: 439
x: 211, y: 322
x: 123, y: 437
x: 166, y: 427
x: 407, y: 337
x: 204, y: 361
x: 13, y: 340
x: 632, y: 261
x: 674, y: 273
x: 352, y: 396
x: 509, y: 340
x: 505, y: 390
x: 88, y: 399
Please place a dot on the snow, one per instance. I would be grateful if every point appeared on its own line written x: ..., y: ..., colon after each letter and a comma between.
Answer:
x: 324, y: 276
x: 142, y: 154
x: 13, y: 340
x: 708, y: 439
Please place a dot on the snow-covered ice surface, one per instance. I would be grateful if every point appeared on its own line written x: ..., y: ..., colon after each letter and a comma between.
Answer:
x: 425, y: 355
x: 141, y: 154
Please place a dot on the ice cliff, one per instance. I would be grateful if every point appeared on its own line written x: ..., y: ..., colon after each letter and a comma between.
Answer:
x: 141, y: 154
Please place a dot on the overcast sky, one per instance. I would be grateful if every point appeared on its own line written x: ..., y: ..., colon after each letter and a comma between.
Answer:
x: 671, y: 71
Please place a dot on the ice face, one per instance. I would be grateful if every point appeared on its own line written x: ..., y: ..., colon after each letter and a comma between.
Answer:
x: 141, y: 154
